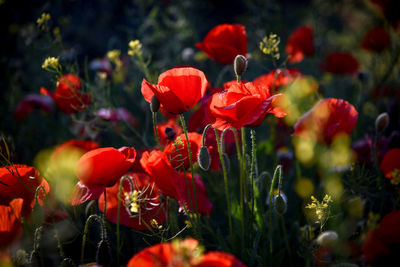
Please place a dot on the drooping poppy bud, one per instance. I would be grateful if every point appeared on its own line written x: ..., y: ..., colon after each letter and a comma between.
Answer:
x: 381, y: 122
x: 280, y: 204
x: 154, y: 104
x: 240, y: 65
x: 204, y: 158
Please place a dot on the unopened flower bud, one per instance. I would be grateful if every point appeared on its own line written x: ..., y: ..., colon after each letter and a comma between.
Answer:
x: 327, y: 238
x: 204, y: 158
x: 154, y: 104
x: 381, y: 122
x: 240, y: 65
x: 103, y: 255
x: 20, y: 258
x: 280, y: 204
x: 38, y: 214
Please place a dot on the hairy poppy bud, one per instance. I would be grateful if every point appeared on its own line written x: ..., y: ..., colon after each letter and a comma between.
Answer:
x: 154, y: 104
x: 103, y: 255
x: 327, y: 238
x: 204, y: 158
x: 240, y: 65
x: 381, y: 122
x: 280, y: 204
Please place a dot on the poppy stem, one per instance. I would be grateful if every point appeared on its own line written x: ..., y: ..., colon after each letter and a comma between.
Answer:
x: 86, y: 230
x: 155, y: 130
x: 252, y: 171
x: 226, y: 184
x: 191, y: 163
x: 271, y: 192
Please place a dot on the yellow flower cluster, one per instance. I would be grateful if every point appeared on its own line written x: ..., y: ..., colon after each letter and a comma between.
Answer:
x: 51, y: 64
x: 135, y: 48
x: 43, y: 20
x: 270, y: 45
x: 321, y: 208
x: 114, y: 56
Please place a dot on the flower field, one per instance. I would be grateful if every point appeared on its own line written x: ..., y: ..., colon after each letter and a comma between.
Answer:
x: 200, y: 133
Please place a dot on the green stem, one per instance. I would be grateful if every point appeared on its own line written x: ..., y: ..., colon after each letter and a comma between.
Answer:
x: 252, y: 171
x: 271, y: 192
x: 155, y: 130
x: 226, y: 185
x: 285, y: 236
x: 203, y: 139
x: 86, y: 230
x: 244, y: 162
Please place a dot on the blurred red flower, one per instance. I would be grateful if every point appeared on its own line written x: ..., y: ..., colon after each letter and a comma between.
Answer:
x: 67, y: 95
x: 340, y: 63
x: 390, y: 9
x: 224, y: 42
x: 21, y: 181
x: 82, y: 146
x: 174, y: 184
x: 381, y: 244
x: 244, y: 104
x: 104, y: 166
x: 277, y: 78
x: 329, y: 118
x: 182, y: 253
x: 10, y: 222
x: 300, y: 44
x: 31, y: 102
x: 177, y: 90
x: 390, y: 165
x: 137, y: 206
x: 376, y: 40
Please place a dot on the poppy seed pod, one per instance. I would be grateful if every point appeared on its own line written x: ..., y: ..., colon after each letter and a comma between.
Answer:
x: 280, y: 204
x: 204, y: 158
x: 381, y: 122
x: 240, y: 65
x: 154, y: 104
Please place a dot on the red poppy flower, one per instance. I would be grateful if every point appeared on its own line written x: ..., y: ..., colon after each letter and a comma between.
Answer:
x: 10, y: 222
x: 178, y: 89
x: 67, y: 95
x: 104, y: 166
x: 376, y: 40
x: 21, y: 181
x: 139, y: 207
x: 277, y: 78
x: 81, y: 146
x: 174, y: 184
x: 244, y: 104
x: 329, y: 118
x: 340, y: 63
x: 390, y: 165
x: 382, y: 242
x: 219, y: 259
x: 32, y: 102
x: 300, y: 44
x: 167, y: 131
x: 224, y: 42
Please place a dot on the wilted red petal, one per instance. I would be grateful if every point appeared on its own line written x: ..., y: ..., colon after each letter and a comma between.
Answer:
x: 104, y: 166
x: 300, y: 44
x: 224, y: 42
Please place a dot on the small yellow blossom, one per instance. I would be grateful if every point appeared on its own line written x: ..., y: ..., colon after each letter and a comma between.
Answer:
x: 135, y: 48
x: 395, y: 177
x: 43, y: 20
x: 270, y: 45
x: 155, y: 224
x: 114, y: 56
x: 52, y: 64
x: 321, y: 208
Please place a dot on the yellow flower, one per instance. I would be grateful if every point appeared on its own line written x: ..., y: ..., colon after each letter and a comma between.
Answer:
x: 51, y: 64
x: 270, y: 45
x: 43, y: 20
x: 135, y: 48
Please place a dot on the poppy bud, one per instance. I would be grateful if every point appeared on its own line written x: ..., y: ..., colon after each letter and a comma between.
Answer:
x: 103, y: 255
x: 204, y: 158
x: 381, y: 122
x: 20, y: 258
x: 280, y: 204
x: 154, y: 104
x: 240, y: 65
x: 327, y: 238
x: 37, y: 214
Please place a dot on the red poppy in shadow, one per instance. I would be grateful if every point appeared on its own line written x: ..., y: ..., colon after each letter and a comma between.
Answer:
x: 277, y: 78
x: 244, y: 104
x: 177, y: 90
x: 390, y: 165
x: 139, y: 206
x: 224, y: 42
x: 100, y: 168
x: 174, y: 184
x: 376, y: 40
x: 300, y: 44
x: 31, y: 102
x: 219, y: 259
x: 340, y: 63
x: 21, y: 181
x: 67, y: 95
x: 10, y: 222
x: 329, y: 118
x: 381, y: 244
